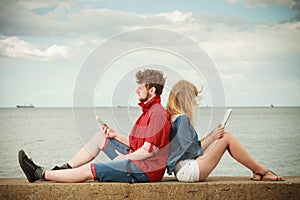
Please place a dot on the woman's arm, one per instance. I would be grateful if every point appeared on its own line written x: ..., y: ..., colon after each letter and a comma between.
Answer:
x: 217, y: 133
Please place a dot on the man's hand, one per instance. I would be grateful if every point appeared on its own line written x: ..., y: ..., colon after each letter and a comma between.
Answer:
x: 108, y: 131
x: 120, y: 156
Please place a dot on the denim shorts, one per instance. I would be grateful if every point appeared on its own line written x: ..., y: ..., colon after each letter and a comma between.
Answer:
x: 117, y: 171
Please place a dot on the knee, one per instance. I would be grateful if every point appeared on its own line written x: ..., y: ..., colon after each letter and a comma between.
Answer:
x: 87, y: 172
x: 228, y: 135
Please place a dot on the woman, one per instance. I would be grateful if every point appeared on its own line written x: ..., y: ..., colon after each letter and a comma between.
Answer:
x: 194, y: 160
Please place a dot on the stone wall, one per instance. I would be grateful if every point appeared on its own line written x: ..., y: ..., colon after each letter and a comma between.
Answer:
x: 212, y: 188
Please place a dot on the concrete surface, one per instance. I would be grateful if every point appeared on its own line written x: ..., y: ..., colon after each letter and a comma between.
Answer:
x: 212, y: 188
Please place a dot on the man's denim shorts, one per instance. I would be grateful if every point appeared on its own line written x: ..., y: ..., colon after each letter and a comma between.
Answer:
x: 117, y: 171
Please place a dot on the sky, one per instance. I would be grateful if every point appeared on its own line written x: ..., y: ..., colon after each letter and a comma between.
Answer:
x: 254, y: 45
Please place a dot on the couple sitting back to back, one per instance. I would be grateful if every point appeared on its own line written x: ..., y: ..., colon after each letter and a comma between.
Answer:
x: 154, y: 142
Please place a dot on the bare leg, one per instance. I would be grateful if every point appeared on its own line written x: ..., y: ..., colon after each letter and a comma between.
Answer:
x: 76, y: 175
x: 229, y: 142
x: 89, y: 151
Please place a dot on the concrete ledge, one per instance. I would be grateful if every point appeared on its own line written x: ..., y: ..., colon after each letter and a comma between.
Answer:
x: 212, y: 188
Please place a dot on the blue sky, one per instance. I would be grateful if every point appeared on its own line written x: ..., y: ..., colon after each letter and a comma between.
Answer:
x: 253, y: 43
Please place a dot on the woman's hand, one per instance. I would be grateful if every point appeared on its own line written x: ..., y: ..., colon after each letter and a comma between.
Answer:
x: 218, y: 132
x: 108, y: 131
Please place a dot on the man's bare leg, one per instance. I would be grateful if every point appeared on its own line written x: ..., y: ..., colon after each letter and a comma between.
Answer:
x: 89, y: 151
x: 75, y: 175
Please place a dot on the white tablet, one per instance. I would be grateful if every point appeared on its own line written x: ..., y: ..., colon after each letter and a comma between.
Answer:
x: 226, y: 117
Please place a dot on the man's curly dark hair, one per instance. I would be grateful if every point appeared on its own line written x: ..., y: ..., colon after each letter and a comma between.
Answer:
x: 151, y: 78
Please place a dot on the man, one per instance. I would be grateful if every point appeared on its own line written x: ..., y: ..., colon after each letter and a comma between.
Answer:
x: 140, y: 158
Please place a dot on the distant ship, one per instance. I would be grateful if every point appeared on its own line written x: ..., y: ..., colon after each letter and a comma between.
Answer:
x: 24, y: 106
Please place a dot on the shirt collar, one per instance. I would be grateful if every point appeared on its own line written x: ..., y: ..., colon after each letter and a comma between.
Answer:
x: 146, y: 106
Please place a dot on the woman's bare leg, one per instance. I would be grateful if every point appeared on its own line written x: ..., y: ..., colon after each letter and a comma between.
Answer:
x: 89, y: 151
x: 76, y: 175
x: 229, y: 142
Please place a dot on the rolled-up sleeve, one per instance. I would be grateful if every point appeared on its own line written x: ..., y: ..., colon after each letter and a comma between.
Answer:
x: 150, y: 147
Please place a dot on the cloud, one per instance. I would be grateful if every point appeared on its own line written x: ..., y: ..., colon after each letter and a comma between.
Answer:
x: 175, y: 16
x: 261, y: 43
x: 17, y: 48
x: 244, y: 52
x: 35, y: 4
x: 265, y: 3
x: 296, y: 7
x: 292, y: 4
x: 223, y: 37
x: 64, y: 20
x: 232, y: 77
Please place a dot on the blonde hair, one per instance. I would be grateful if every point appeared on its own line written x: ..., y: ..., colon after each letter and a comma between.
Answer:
x: 182, y: 99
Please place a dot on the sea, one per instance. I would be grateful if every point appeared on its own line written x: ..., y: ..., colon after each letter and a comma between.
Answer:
x: 51, y: 136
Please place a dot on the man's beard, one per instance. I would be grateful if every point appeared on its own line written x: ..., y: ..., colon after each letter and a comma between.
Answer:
x: 144, y: 99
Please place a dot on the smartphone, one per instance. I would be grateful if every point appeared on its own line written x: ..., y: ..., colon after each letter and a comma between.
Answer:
x: 99, y: 120
x: 226, y: 117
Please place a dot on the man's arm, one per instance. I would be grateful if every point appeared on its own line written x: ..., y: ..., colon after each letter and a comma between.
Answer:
x: 123, y: 140
x: 139, y: 154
